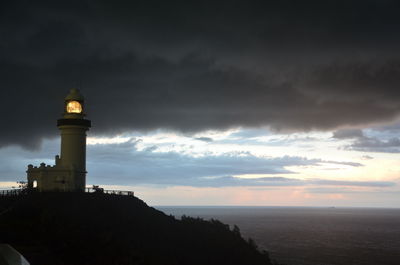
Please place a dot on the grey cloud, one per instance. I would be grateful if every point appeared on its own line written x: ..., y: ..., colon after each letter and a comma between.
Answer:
x: 361, y: 142
x: 170, y: 168
x: 188, y: 67
x: 204, y: 139
x: 343, y: 190
x: 372, y: 144
x: 364, y: 143
x: 390, y: 128
x: 229, y: 181
x: 323, y: 185
x: 250, y: 133
x: 149, y: 167
x: 124, y: 164
x: 345, y: 163
x: 366, y: 157
x: 353, y: 183
x: 348, y: 134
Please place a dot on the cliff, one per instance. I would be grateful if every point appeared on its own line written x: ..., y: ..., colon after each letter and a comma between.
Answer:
x: 83, y: 228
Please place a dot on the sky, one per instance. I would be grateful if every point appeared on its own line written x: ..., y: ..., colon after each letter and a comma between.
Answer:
x: 262, y: 103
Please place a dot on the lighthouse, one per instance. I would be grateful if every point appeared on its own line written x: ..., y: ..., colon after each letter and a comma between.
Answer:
x: 69, y: 171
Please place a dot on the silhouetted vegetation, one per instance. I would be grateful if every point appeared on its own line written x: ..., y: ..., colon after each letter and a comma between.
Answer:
x: 81, y: 228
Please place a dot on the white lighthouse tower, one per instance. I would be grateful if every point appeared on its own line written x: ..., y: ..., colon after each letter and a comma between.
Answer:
x: 69, y: 171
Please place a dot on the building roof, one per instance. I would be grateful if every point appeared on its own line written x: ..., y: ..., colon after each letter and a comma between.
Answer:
x: 74, y: 94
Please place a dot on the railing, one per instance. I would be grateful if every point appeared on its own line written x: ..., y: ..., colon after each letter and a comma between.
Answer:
x: 13, y: 192
x: 115, y: 192
x: 18, y: 192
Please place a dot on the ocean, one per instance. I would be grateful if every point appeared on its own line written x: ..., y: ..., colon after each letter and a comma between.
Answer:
x: 313, y: 236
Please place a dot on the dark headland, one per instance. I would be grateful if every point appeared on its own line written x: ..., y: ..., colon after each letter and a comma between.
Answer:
x: 84, y: 228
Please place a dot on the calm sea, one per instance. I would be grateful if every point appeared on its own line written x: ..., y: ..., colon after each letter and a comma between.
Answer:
x: 313, y: 236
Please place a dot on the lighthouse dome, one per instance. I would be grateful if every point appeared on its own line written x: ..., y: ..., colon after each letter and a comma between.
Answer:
x: 74, y: 94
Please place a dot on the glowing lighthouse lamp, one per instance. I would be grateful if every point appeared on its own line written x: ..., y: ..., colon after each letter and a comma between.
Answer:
x: 69, y: 171
x: 74, y: 106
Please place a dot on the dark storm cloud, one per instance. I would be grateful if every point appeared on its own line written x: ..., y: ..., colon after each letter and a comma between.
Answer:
x: 291, y: 65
